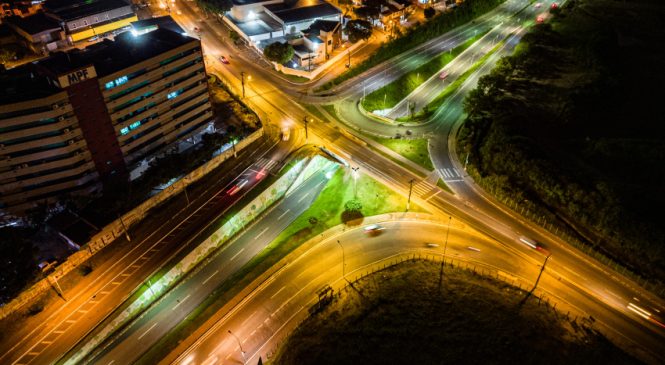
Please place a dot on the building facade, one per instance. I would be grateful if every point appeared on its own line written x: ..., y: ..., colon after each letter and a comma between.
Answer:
x: 111, y: 105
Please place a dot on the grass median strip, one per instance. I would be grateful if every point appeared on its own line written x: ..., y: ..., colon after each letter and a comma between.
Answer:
x: 432, y: 106
x: 413, y: 149
x: 338, y: 202
x: 389, y: 95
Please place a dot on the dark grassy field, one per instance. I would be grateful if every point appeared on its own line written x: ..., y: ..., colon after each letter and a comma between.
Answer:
x: 399, y: 316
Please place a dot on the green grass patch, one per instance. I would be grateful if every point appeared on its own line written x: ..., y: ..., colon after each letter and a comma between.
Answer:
x: 399, y: 89
x: 327, y: 211
x: 413, y: 149
x: 331, y: 110
x: 442, y: 184
x: 400, y: 315
x: 294, y: 78
x: 315, y: 111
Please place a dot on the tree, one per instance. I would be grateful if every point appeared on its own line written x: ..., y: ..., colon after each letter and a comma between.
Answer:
x: 366, y: 12
x: 6, y: 55
x: 429, y: 12
x: 234, y: 36
x: 358, y: 29
x: 279, y: 52
x: 215, y: 6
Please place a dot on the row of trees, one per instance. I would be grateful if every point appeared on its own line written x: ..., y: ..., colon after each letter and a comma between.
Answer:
x: 544, y: 127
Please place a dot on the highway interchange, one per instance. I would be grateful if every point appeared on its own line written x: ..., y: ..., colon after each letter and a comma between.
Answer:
x: 571, y: 275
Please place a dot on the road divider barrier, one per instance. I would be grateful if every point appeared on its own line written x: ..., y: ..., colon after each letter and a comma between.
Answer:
x: 276, y: 191
x: 118, y: 227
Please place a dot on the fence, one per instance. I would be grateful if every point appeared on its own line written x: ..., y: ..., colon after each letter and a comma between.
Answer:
x: 118, y: 227
x: 560, y: 307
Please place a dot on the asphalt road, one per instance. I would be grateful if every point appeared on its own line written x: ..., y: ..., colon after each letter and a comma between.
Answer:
x: 174, y: 306
x: 586, y: 274
x: 64, y: 323
x: 261, y: 321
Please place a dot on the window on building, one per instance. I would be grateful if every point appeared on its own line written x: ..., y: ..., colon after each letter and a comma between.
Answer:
x: 85, y: 22
x: 73, y: 26
x: 96, y: 19
x: 117, y: 82
x: 173, y: 94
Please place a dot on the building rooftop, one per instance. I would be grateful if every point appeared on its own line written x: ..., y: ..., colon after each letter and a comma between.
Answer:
x: 23, y: 84
x: 248, y: 2
x: 34, y: 24
x: 263, y: 23
x: 296, y: 11
x: 111, y: 56
x: 67, y: 10
x: 162, y: 22
x: 322, y: 25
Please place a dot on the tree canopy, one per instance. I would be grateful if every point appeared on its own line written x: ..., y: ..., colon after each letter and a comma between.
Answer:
x: 367, y: 12
x: 215, y: 6
x: 429, y: 12
x: 358, y: 29
x: 279, y: 52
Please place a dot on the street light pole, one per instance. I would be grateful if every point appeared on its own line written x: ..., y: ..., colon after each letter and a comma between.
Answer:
x: 242, y: 82
x: 354, y: 173
x: 305, y: 120
x: 233, y: 146
x: 343, y: 260
x: 242, y: 352
x: 408, y: 201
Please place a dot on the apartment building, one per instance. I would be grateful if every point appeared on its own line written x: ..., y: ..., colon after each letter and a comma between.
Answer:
x: 42, y: 149
x: 125, y: 100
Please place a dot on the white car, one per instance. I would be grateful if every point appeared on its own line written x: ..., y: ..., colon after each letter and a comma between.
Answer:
x: 373, y: 228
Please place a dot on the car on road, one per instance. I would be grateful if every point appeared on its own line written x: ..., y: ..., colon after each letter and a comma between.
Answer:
x: 534, y: 244
x: 236, y: 188
x: 374, y: 228
x: 540, y: 19
x: 285, y: 134
x: 93, y: 38
x: 223, y: 59
x: 538, y: 5
x: 443, y: 75
x: 431, y: 245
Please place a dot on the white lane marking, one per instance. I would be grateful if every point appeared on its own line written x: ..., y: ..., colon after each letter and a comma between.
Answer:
x: 111, y: 362
x: 281, y: 215
x: 210, y: 277
x: 70, y: 321
x: 261, y: 233
x: 236, y: 255
x: 180, y: 302
x: 148, y: 330
x: 277, y: 292
x: 303, y: 197
x: 59, y: 331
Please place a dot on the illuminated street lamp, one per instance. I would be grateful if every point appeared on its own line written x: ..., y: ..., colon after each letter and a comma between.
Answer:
x: 354, y: 174
x: 242, y: 352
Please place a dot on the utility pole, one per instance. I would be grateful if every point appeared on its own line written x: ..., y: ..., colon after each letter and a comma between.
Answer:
x: 443, y: 259
x: 466, y: 161
x: 242, y: 82
x: 306, y: 120
x: 186, y: 195
x: 349, y: 63
x: 242, y: 352
x: 408, y: 202
x: 233, y: 146
x: 124, y: 229
x: 540, y: 273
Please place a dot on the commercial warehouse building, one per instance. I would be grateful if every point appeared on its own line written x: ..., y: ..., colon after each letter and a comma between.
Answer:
x: 78, y: 118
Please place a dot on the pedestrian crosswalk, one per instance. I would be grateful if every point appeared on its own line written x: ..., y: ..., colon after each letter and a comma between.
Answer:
x: 450, y: 175
x: 423, y: 188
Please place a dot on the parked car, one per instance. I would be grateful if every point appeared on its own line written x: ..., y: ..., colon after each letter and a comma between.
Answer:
x: 223, y: 59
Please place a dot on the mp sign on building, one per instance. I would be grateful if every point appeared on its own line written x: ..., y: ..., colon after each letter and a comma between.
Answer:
x: 77, y: 76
